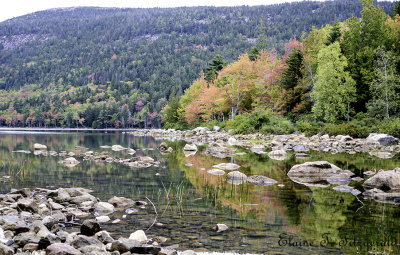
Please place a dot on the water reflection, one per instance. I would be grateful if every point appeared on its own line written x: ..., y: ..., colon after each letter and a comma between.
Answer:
x: 286, y: 219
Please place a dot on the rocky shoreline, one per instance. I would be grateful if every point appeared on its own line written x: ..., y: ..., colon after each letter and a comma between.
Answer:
x: 380, y: 145
x: 42, y: 221
x: 382, y: 186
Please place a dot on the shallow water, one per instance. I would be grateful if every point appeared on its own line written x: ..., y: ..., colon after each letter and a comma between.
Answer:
x: 285, y: 218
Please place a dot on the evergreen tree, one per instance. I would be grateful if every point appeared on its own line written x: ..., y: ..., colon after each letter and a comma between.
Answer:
x: 335, y: 33
x: 216, y: 65
x: 396, y: 10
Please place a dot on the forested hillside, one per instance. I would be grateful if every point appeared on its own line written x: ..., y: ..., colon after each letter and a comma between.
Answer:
x: 108, y: 67
x: 339, y: 79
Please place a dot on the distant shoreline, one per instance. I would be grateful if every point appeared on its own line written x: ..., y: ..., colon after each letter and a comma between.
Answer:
x: 66, y: 129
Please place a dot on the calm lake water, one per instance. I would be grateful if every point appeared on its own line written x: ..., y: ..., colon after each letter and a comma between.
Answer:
x: 286, y: 219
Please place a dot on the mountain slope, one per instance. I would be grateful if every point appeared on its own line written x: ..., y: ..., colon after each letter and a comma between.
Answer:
x: 67, y: 66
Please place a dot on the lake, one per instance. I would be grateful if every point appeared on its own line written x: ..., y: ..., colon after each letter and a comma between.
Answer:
x: 284, y: 218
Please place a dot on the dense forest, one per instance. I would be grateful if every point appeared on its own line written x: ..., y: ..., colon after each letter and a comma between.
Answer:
x: 111, y: 67
x: 342, y: 78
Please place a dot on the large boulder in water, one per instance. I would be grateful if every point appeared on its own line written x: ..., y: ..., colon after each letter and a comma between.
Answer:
x: 315, y: 173
x: 316, y: 168
x: 382, y: 139
x: 384, y: 180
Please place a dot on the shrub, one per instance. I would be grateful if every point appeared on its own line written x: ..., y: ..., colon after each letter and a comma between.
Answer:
x: 353, y: 128
x: 391, y: 127
x: 264, y: 122
x: 308, y: 127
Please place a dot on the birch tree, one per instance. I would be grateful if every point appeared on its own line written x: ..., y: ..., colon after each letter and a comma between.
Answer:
x: 384, y: 85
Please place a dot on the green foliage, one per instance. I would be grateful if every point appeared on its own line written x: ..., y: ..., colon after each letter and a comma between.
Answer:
x: 391, y: 127
x: 396, y: 10
x: 384, y: 86
x: 264, y: 122
x: 293, y: 73
x: 353, y: 128
x: 308, y: 127
x: 335, y: 33
x: 214, y: 67
x: 334, y: 88
x: 253, y: 54
x: 360, y: 40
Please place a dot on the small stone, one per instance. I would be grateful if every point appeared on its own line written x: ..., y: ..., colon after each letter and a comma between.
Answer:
x: 90, y: 227
x: 145, y: 250
x: 139, y: 236
x: 102, y: 219
x: 220, y: 227
x: 216, y: 172
x: 131, y: 211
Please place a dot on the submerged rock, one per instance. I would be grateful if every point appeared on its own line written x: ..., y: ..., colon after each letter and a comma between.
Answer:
x: 117, y: 148
x: 384, y: 180
x: 380, y: 195
x: 258, y: 149
x: 227, y: 166
x: 347, y: 189
x: 261, y: 180
x: 219, y: 151
x: 277, y: 154
x: 39, y: 147
x: 216, y: 172
x: 70, y: 162
x: 236, y: 175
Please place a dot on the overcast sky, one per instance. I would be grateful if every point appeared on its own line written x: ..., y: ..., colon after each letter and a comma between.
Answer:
x: 15, y: 8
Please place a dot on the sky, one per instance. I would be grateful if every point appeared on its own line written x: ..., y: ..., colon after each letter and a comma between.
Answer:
x: 15, y: 8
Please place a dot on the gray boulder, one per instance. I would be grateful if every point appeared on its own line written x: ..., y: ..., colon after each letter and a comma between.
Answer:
x: 261, y: 180
x: 315, y: 173
x: 61, y: 249
x: 121, y: 202
x: 384, y: 180
x: 382, y: 139
x: 90, y: 227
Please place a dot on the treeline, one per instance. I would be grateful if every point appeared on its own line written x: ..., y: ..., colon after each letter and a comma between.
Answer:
x: 341, y: 78
x: 84, y: 66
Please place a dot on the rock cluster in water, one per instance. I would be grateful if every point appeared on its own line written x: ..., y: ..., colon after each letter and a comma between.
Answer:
x: 36, y: 222
x: 383, y: 186
x: 70, y: 158
x: 380, y: 145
